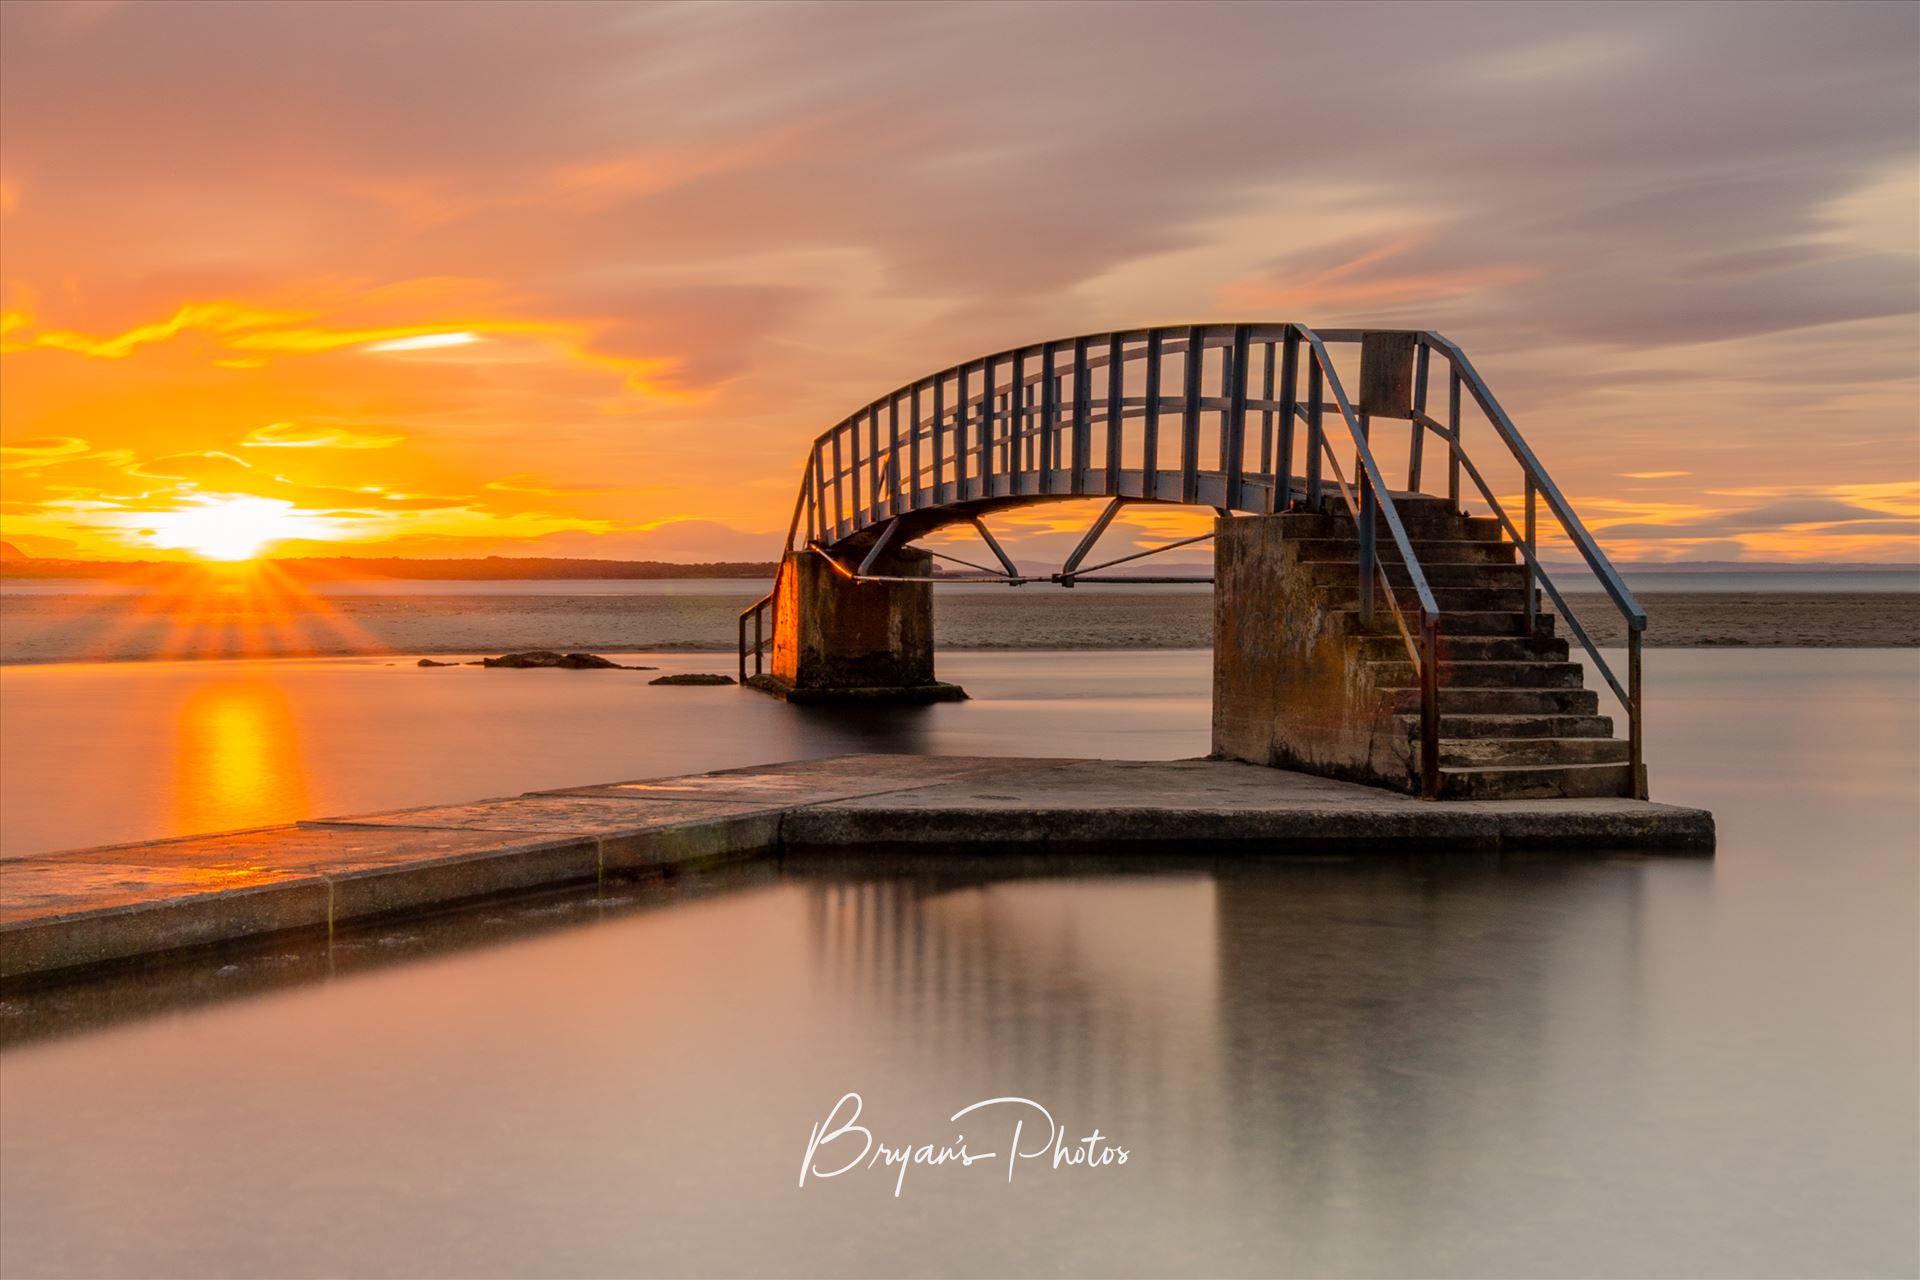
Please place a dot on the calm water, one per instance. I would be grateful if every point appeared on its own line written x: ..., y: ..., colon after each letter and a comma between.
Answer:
x: 1594, y: 1066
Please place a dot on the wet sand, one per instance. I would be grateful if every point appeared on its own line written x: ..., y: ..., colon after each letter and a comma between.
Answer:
x: 58, y: 628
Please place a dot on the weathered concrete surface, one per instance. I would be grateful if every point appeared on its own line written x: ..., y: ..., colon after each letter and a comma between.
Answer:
x: 1289, y: 688
x: 1170, y: 805
x: 72, y: 910
x: 837, y: 639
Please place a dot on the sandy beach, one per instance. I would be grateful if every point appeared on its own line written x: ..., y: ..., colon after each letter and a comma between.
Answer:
x: 66, y: 628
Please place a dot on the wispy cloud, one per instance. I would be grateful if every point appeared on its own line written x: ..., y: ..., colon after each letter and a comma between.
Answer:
x: 615, y: 262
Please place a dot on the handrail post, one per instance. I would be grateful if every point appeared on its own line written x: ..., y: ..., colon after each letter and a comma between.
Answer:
x: 1533, y: 548
x: 1453, y: 433
x: 1636, y: 732
x: 1150, y: 428
x: 1369, y: 554
x: 743, y: 648
x: 759, y: 641
x: 914, y: 487
x: 1266, y: 421
x: 1429, y: 706
x: 1234, y: 446
x: 1283, y: 447
x: 1416, y: 447
x: 1314, y: 436
x: 839, y: 495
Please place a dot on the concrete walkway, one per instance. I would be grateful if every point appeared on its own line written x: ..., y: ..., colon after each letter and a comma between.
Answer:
x: 92, y: 906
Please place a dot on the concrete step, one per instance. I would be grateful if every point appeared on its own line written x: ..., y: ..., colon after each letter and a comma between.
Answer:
x: 1339, y: 573
x: 1479, y: 701
x: 1509, y: 726
x: 1518, y: 782
x: 1450, y: 599
x: 1484, y: 675
x: 1429, y: 551
x: 1455, y: 624
x: 1480, y: 752
x: 1454, y: 648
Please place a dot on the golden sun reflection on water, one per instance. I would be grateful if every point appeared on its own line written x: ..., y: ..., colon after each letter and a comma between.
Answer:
x: 237, y: 757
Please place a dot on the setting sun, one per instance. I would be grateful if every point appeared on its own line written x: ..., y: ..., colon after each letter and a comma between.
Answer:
x: 233, y: 528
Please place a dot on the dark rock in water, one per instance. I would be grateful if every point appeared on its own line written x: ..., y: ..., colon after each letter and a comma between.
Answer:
x: 429, y: 662
x: 565, y: 661
x: 700, y: 677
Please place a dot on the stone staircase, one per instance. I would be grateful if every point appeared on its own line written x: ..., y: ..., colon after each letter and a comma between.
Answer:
x: 1515, y: 718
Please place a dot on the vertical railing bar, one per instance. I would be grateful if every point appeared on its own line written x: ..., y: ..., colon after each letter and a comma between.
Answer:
x: 1030, y: 425
x: 1190, y: 415
x: 914, y: 487
x: 1533, y: 550
x: 1226, y: 391
x: 960, y: 407
x: 1150, y: 432
x: 1020, y: 419
x: 1236, y: 425
x: 1366, y: 438
x: 856, y: 507
x: 983, y: 440
x: 1315, y: 434
x: 994, y: 408
x: 1429, y: 705
x: 839, y: 512
x: 939, y: 430
x: 1082, y: 418
x: 1365, y: 518
x: 1049, y: 415
x: 1453, y: 442
x: 873, y: 463
x: 1116, y: 389
x: 1266, y: 415
x: 1289, y: 395
x: 1636, y: 730
x: 1416, y: 447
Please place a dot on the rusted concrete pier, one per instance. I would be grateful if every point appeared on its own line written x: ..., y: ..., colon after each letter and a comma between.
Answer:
x: 838, y: 640
x: 69, y: 911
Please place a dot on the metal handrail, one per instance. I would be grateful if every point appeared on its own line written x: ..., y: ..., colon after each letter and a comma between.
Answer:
x: 755, y: 611
x: 1538, y: 484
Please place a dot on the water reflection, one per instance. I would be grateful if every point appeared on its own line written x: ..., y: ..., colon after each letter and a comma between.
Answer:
x: 1506, y: 1066
x: 236, y: 757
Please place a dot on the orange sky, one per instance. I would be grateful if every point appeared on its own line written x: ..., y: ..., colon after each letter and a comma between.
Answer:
x: 585, y: 280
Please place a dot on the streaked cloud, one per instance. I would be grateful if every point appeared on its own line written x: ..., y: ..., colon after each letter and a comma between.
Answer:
x: 293, y: 435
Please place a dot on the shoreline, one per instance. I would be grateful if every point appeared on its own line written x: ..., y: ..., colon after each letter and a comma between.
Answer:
x: 46, y: 630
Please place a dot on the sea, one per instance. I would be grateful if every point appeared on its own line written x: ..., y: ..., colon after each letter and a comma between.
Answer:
x: 1620, y: 1064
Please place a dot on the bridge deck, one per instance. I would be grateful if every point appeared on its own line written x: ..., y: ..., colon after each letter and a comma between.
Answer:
x: 93, y: 906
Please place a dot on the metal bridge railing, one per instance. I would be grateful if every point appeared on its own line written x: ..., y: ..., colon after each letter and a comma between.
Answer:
x: 1227, y: 416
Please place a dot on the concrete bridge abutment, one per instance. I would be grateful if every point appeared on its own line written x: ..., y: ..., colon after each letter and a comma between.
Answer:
x: 837, y: 639
x: 1291, y: 688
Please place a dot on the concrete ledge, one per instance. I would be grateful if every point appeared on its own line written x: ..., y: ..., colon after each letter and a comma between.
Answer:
x: 71, y: 911
x: 912, y: 695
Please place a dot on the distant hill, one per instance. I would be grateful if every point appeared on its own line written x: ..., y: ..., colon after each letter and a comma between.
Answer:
x: 9, y: 552
x: 492, y: 568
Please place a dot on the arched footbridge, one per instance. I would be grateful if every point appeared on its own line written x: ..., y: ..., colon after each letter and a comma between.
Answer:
x: 1367, y: 624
